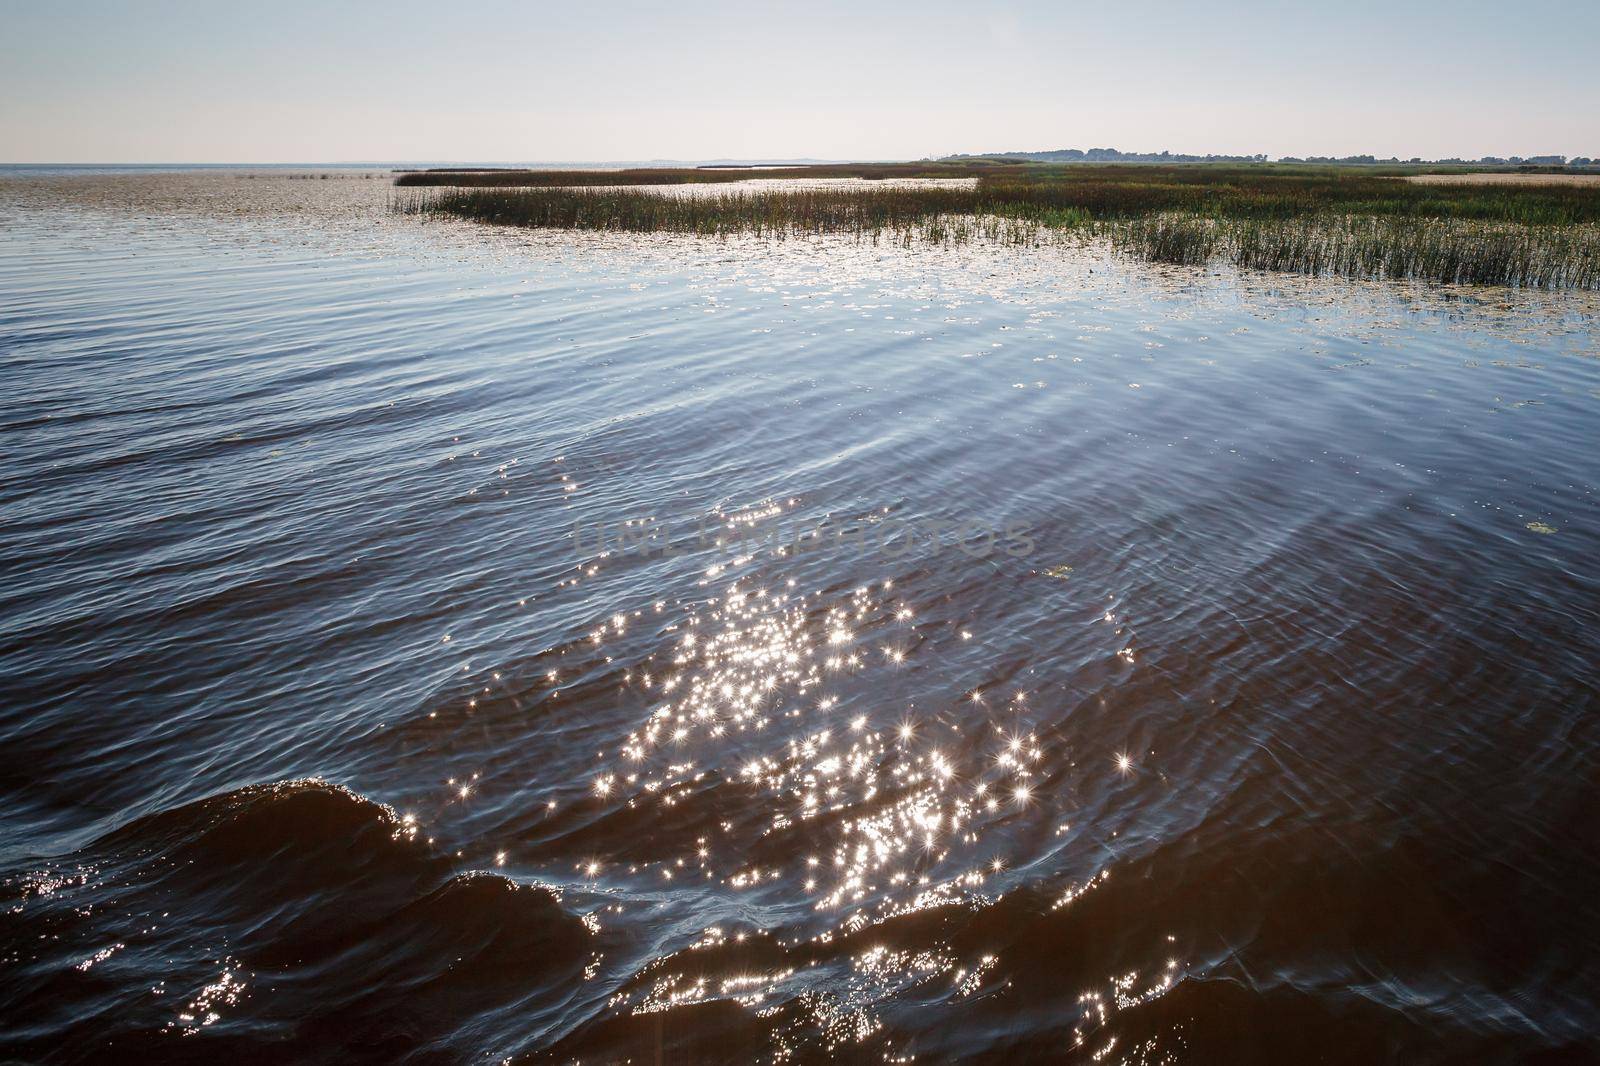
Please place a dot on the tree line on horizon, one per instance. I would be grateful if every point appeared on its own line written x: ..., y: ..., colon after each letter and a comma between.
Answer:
x: 1112, y: 155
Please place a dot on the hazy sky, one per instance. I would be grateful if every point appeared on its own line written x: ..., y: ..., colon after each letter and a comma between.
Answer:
x: 528, y: 81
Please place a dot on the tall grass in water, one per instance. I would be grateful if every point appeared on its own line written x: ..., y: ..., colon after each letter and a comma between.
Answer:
x: 941, y: 214
x: 491, y: 177
x: 1447, y: 250
x: 1127, y: 190
x: 1256, y: 232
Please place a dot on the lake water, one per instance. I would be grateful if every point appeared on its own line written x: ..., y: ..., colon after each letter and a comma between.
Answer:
x: 431, y: 643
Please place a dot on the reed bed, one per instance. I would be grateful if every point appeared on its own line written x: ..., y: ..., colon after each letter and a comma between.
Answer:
x: 1447, y: 250
x: 939, y: 214
x: 491, y: 177
x: 1225, y: 191
x: 1545, y: 238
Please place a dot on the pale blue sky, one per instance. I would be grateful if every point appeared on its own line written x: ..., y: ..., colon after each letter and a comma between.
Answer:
x: 522, y: 81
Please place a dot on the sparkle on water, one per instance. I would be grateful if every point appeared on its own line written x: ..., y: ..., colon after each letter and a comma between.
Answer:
x: 873, y: 800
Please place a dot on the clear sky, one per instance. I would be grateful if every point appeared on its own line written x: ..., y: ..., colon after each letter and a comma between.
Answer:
x: 457, y: 80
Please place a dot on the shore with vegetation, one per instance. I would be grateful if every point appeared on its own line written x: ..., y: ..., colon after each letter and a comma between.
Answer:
x: 1354, y: 222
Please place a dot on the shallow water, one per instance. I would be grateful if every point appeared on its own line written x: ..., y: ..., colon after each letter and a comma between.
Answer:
x: 1251, y: 720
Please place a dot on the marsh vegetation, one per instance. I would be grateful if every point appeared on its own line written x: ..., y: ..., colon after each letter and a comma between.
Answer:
x: 1314, y: 220
x: 506, y: 177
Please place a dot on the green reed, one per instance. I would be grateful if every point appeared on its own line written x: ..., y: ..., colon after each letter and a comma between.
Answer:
x: 1305, y: 222
x: 1221, y: 190
x: 1448, y: 250
x: 547, y: 179
x: 925, y: 212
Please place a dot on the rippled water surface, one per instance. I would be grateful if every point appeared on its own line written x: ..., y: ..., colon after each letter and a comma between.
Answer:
x: 426, y: 643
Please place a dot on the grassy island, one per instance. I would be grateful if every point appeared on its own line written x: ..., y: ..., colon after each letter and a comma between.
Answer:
x: 1349, y: 221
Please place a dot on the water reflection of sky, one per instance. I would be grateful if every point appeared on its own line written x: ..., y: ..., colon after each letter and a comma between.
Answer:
x: 1282, y: 530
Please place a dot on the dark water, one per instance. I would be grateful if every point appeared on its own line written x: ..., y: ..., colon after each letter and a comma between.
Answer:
x: 333, y: 732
